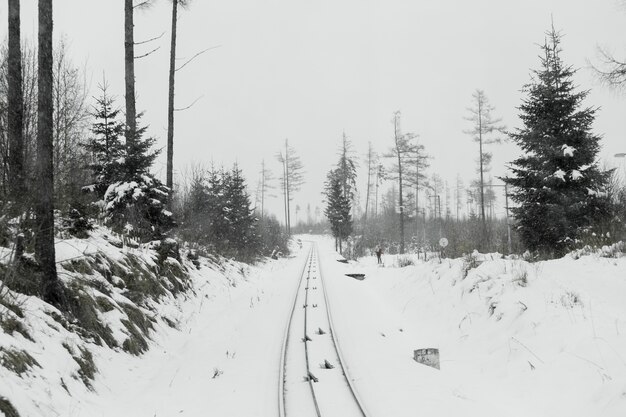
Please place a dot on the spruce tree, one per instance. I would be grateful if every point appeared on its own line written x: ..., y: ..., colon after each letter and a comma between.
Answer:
x: 106, y: 146
x: 136, y: 203
x: 556, y: 183
x: 338, y: 207
x: 241, y: 232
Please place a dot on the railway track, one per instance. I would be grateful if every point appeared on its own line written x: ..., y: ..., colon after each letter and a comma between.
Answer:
x: 313, y: 379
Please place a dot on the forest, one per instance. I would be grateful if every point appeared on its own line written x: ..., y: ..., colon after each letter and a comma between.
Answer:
x: 72, y: 162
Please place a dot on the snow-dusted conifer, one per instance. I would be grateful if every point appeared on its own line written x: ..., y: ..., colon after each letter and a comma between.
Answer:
x: 136, y: 203
x: 338, y: 206
x: 556, y: 182
x: 106, y: 146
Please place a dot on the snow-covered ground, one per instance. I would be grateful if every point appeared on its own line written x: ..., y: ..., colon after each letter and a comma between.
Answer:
x: 516, y: 339
x: 542, y: 339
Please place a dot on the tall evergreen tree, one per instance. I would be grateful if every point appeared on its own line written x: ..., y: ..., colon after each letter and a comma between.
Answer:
x: 556, y: 182
x: 338, y: 206
x: 106, y: 146
x: 136, y: 203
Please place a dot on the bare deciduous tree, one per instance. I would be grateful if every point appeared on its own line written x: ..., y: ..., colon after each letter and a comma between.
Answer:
x: 291, y: 179
x: 483, y: 128
x: 402, y: 152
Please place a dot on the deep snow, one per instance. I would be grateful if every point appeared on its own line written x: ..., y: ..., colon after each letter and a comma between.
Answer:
x: 516, y: 339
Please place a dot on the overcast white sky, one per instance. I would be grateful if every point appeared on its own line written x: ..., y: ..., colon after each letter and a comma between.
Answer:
x: 308, y: 70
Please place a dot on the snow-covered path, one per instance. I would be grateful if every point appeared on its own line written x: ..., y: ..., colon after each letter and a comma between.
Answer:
x: 223, y: 362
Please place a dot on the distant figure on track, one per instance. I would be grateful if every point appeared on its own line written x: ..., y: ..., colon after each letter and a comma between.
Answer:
x: 379, y: 254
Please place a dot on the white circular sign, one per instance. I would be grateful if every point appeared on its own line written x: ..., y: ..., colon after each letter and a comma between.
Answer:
x: 443, y: 242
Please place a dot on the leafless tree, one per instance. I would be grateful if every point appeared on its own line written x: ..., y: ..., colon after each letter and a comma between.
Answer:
x: 265, y: 186
x: 484, y: 126
x: 402, y: 152
x: 292, y: 178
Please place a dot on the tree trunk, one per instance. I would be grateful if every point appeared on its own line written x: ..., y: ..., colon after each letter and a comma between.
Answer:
x: 170, y: 104
x: 44, y: 234
x: 285, y: 195
x: 417, y: 195
x: 129, y: 69
x: 262, y: 188
x: 369, y: 184
x: 401, y: 205
x: 483, y: 235
x: 399, y: 154
x: 15, y: 106
x: 287, y: 173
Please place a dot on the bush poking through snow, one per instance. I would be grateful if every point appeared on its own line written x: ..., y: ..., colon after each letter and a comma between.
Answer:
x: 470, y: 261
x: 17, y: 361
x: 84, y: 309
x: 520, y: 275
x: 12, y: 325
x: 570, y: 299
x: 404, y: 261
x: 7, y: 408
x: 86, y: 365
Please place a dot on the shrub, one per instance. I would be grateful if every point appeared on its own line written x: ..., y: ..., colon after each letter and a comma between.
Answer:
x: 7, y: 408
x: 404, y: 260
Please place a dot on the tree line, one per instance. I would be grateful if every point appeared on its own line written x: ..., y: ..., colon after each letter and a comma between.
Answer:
x: 69, y: 162
x: 557, y: 196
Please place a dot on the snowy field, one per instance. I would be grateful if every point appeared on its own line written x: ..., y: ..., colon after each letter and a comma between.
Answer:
x: 516, y: 339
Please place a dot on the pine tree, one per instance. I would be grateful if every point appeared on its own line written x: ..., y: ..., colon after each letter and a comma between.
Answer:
x: 106, y: 146
x: 338, y: 207
x: 241, y: 232
x: 136, y: 203
x: 556, y: 183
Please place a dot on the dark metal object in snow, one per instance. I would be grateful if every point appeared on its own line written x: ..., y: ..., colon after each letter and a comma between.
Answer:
x: 429, y: 356
x: 360, y: 277
x: 343, y: 261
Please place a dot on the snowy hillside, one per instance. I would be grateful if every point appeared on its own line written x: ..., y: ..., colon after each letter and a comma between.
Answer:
x: 127, y: 301
x: 543, y: 339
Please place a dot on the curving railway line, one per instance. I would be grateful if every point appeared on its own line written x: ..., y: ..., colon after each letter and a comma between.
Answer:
x: 313, y: 379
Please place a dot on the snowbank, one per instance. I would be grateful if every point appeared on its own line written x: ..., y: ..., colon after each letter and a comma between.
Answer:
x: 546, y: 338
x: 125, y: 301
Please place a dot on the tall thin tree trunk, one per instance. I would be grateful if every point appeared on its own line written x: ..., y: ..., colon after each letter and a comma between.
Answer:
x: 129, y: 72
x: 417, y: 194
x: 15, y: 106
x: 483, y: 236
x: 287, y: 174
x: 44, y: 247
x: 262, y: 188
x: 285, y: 196
x: 398, y: 152
x: 369, y: 184
x: 170, y: 103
